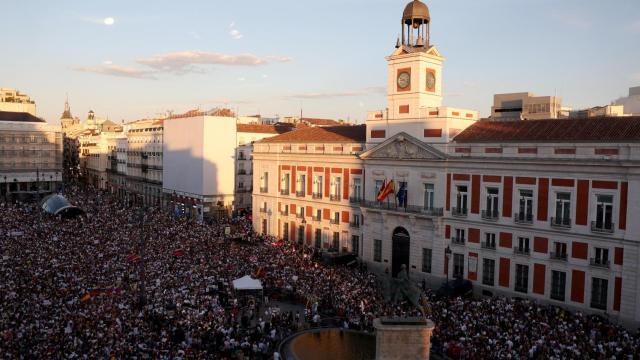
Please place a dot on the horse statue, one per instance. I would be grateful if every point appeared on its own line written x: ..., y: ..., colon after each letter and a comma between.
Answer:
x: 402, y: 288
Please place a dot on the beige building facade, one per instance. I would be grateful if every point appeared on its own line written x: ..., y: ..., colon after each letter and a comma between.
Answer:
x: 30, y: 150
x: 526, y: 106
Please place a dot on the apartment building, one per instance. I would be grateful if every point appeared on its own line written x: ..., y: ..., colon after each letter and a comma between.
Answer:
x: 308, y: 184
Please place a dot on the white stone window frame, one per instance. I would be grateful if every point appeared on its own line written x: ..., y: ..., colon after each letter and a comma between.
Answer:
x: 593, y: 203
x: 553, y: 196
x: 515, y: 204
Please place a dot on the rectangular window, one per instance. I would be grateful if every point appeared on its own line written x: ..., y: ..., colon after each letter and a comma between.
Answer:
x: 285, y: 183
x: 426, y: 260
x: 357, y: 189
x: 558, y: 284
x: 355, y: 244
x: 317, y: 186
x: 301, y: 184
x: 601, y: 257
x: 599, y: 293
x: 428, y: 196
x: 523, y: 245
x: 488, y: 272
x: 285, y: 232
x: 377, y: 250
x: 378, y: 186
x: 336, y: 241
x: 489, y: 241
x: 336, y: 186
x: 525, y: 207
x: 459, y: 236
x: 491, y: 208
x: 604, y: 213
x: 560, y: 251
x: 522, y: 278
x: 461, y: 200
x: 563, y: 209
x: 458, y: 266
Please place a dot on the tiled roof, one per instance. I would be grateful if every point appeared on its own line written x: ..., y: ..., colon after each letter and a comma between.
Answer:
x: 265, y: 129
x: 601, y: 129
x: 319, y: 122
x: 341, y: 133
x: 18, y: 116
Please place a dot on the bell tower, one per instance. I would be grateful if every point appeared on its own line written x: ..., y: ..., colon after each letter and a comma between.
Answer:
x: 414, y: 68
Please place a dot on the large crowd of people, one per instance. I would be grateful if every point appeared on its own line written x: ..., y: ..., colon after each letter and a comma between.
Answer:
x: 91, y: 288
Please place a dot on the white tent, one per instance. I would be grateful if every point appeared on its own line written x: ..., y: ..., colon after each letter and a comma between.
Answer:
x: 247, y: 283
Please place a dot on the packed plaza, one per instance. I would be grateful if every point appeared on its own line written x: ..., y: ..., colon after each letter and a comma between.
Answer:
x: 71, y: 290
x: 129, y: 240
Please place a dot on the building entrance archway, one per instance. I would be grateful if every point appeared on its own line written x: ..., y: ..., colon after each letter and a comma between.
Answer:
x: 400, y: 250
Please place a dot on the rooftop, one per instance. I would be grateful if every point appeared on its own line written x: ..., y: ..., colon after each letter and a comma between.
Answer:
x: 319, y: 122
x: 19, y: 116
x: 340, y: 133
x: 594, y: 129
x: 264, y: 129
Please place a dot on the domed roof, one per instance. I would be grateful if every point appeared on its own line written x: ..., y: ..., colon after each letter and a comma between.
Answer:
x: 56, y: 204
x: 416, y: 10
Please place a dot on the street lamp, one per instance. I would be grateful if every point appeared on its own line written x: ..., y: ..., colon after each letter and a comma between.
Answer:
x: 447, y: 253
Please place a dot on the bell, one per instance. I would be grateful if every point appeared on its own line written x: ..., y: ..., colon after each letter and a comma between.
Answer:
x: 419, y: 42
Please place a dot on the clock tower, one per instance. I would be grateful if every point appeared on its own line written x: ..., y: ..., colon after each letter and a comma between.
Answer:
x: 414, y: 68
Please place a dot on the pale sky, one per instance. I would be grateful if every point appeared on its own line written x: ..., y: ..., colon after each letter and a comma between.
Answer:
x: 130, y: 59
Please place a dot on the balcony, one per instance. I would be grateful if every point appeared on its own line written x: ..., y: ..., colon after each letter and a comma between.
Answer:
x: 242, y: 172
x: 284, y: 212
x: 602, y: 227
x: 300, y: 193
x: 455, y: 211
x: 457, y: 240
x: 521, y: 251
x: 393, y: 206
x: 334, y: 197
x: 490, y: 215
x: 601, y: 263
x: 355, y: 199
x: 335, y: 221
x: 300, y: 216
x: 284, y: 192
x: 354, y: 225
x: 316, y: 218
x: 563, y: 223
x: 523, y: 218
x: 264, y: 190
x: 263, y: 210
x: 558, y: 256
x: 317, y: 196
x: 488, y: 246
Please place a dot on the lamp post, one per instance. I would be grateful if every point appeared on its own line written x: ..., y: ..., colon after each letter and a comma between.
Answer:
x: 6, y: 190
x: 447, y: 253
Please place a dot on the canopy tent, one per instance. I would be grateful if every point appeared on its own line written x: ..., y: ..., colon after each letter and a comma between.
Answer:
x: 56, y: 204
x: 247, y: 283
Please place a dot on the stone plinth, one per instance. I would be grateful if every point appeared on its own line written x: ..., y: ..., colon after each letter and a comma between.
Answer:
x: 403, y: 339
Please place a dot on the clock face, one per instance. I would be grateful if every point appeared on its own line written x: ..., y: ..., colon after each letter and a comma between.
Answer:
x: 431, y: 81
x: 404, y: 80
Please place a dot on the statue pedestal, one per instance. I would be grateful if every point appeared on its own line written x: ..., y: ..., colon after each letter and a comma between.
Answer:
x: 403, y: 339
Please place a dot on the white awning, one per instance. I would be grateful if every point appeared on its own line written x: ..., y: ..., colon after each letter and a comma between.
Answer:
x: 247, y: 283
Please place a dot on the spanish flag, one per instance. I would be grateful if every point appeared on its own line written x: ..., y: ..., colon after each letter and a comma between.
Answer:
x: 386, y: 191
x: 384, y: 184
x: 86, y: 297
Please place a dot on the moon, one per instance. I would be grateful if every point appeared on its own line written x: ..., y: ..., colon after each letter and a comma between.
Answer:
x: 109, y: 21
